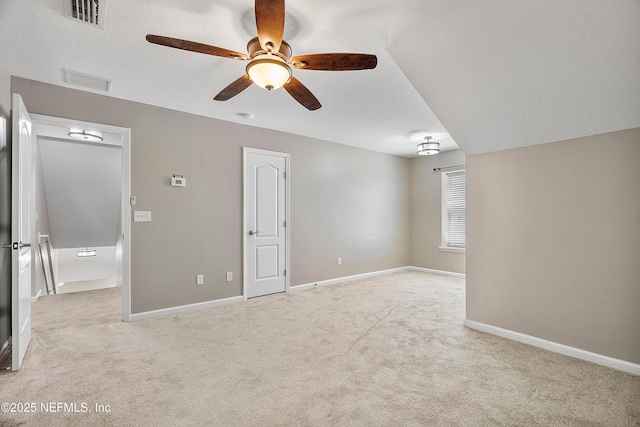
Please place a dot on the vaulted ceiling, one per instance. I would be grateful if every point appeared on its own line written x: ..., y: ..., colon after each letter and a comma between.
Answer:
x: 83, y: 186
x: 481, y: 75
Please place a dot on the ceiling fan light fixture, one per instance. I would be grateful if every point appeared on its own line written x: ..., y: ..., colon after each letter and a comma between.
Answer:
x: 269, y: 72
x: 86, y: 135
x: 428, y: 148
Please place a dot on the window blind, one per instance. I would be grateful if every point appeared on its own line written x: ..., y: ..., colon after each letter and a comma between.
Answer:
x: 456, y: 206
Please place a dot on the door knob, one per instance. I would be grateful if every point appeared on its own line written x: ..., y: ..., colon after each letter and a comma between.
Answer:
x: 251, y: 232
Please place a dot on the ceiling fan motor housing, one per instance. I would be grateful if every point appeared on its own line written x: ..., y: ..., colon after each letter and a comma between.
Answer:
x: 254, y: 49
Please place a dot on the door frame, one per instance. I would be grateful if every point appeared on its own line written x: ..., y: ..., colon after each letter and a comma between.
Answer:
x: 245, y: 152
x: 123, y: 263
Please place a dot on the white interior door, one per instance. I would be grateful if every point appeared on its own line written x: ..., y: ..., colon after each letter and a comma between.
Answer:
x: 265, y: 231
x: 21, y: 232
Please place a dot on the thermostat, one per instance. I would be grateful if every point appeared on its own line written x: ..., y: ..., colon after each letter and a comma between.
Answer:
x: 178, y: 181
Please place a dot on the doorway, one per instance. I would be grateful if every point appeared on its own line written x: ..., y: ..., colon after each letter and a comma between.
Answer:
x: 266, y: 217
x: 86, y: 211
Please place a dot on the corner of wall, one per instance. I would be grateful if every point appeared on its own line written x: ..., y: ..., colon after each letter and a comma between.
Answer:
x: 426, y: 213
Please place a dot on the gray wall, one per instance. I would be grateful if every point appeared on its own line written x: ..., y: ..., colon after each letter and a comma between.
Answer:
x: 345, y: 202
x: 5, y: 208
x: 426, y: 213
x: 554, y: 242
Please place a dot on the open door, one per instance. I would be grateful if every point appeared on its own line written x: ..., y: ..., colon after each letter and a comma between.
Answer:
x: 21, y: 232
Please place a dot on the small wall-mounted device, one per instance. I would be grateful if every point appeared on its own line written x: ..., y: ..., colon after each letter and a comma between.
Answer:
x: 178, y: 181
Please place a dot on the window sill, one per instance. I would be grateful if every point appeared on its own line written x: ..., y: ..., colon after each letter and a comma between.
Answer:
x: 456, y: 250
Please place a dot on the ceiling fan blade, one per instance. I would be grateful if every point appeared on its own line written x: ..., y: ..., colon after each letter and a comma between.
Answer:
x: 194, y: 46
x: 234, y: 88
x: 301, y: 94
x: 335, y: 61
x: 270, y: 22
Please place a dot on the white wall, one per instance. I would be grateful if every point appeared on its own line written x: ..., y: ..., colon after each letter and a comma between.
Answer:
x: 72, y: 268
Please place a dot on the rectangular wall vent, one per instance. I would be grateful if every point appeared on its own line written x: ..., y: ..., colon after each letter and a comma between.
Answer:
x: 90, y: 12
x: 87, y: 81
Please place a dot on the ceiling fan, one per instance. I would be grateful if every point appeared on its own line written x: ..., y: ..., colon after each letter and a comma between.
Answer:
x: 270, y: 60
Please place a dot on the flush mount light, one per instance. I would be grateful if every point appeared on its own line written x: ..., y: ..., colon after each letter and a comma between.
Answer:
x: 86, y: 135
x: 428, y: 148
x: 87, y: 253
x: 269, y: 71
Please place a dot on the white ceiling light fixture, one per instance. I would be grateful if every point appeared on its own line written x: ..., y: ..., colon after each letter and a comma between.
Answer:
x: 87, y: 253
x: 86, y: 135
x: 269, y: 72
x: 428, y: 148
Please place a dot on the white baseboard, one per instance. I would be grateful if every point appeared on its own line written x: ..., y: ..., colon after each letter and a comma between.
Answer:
x: 345, y: 278
x: 440, y: 272
x: 35, y: 299
x: 184, y: 308
x: 620, y: 365
x: 5, y: 346
x: 373, y: 274
x: 240, y: 298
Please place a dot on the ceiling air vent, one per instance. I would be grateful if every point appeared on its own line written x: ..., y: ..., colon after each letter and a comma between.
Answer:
x: 90, y: 12
x: 87, y: 81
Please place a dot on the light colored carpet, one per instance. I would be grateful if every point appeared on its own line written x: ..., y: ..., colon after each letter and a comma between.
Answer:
x: 385, y: 351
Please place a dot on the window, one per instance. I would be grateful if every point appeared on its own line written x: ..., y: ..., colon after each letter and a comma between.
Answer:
x: 454, y: 211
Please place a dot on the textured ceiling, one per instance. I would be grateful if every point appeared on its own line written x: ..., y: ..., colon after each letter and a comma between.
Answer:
x: 497, y: 73
x: 516, y: 73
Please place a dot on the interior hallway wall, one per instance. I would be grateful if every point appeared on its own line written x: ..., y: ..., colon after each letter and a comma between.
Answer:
x: 554, y: 241
x: 426, y: 213
x: 345, y: 202
x: 73, y: 268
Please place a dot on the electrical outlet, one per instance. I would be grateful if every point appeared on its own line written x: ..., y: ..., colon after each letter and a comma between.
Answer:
x: 229, y: 276
x: 141, y: 216
x: 339, y: 261
x: 200, y: 279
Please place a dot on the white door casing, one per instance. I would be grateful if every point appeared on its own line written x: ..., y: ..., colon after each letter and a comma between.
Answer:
x: 22, y: 205
x: 266, y: 237
x: 123, y: 246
